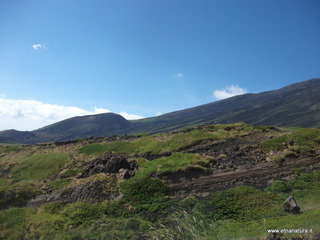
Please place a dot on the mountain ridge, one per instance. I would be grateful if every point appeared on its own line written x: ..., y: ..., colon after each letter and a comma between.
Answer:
x: 295, y: 105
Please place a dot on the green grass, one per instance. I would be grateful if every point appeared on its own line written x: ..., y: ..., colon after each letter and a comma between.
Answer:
x: 196, y: 226
x: 12, y: 224
x: 155, y: 144
x: 143, y: 187
x: 39, y: 166
x: 8, y: 149
x: 174, y: 163
x: 159, y: 143
x: 3, y: 182
x: 302, y: 137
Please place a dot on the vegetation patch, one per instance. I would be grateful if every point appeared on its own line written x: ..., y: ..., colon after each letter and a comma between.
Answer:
x: 18, y: 194
x: 81, y: 212
x: 39, y: 166
x: 244, y: 203
x: 154, y: 144
x: 302, y: 137
x: 144, y: 190
x: 174, y: 163
x: 12, y: 223
x: 8, y: 149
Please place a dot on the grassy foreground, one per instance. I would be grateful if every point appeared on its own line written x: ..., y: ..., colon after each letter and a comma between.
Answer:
x: 146, y: 208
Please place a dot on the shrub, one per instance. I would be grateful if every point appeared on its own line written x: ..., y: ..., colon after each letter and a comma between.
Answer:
x: 81, y: 212
x: 244, y: 203
x: 59, y: 183
x: 12, y: 224
x: 143, y: 190
x: 52, y: 208
x: 18, y: 194
x: 280, y: 187
x: 12, y: 217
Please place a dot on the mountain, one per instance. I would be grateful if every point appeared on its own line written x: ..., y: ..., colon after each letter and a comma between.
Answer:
x: 294, y: 105
x: 80, y: 127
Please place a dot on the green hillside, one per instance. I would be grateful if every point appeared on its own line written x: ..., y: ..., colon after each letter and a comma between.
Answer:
x: 222, y: 181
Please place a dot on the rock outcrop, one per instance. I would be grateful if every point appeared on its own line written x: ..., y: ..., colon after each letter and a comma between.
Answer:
x: 109, y: 163
x: 98, y: 182
x: 291, y: 206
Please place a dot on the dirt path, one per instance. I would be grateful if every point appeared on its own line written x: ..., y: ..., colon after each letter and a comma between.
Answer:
x: 194, y: 183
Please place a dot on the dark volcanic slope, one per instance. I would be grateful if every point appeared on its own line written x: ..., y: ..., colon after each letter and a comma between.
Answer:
x: 295, y: 105
x: 69, y: 129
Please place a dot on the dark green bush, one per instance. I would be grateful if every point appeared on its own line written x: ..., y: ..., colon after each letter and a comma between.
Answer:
x: 244, y: 203
x: 81, y: 212
x: 280, y: 187
x: 18, y: 194
x: 143, y: 190
x: 59, y: 183
x: 12, y: 217
x: 53, y: 208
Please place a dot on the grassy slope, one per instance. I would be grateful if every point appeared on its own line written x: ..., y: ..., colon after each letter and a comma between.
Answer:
x: 238, y: 213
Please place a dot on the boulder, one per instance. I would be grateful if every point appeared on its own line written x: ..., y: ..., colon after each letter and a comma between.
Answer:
x: 291, y: 206
x: 108, y: 163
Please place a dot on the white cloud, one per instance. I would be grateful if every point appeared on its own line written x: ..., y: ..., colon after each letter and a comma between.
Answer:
x: 37, y: 46
x: 130, y: 116
x: 179, y: 75
x: 32, y: 114
x: 100, y: 110
x: 229, y: 91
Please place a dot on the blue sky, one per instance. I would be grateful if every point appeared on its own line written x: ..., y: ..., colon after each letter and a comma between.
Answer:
x: 142, y: 58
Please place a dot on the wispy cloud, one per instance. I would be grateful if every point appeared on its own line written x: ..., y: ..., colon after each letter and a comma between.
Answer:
x: 179, y: 75
x: 229, y: 91
x: 32, y: 114
x: 37, y: 46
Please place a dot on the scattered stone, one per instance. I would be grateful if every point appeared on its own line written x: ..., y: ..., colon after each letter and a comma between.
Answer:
x: 124, y: 173
x: 275, y: 236
x: 291, y: 206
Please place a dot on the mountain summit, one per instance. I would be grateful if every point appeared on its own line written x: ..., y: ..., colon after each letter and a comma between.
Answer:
x: 296, y: 105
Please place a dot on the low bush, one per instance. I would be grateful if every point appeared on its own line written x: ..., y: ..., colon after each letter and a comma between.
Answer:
x: 12, y: 224
x: 81, y: 212
x: 143, y: 190
x: 18, y: 194
x: 244, y: 203
x: 280, y: 187
x: 59, y: 183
